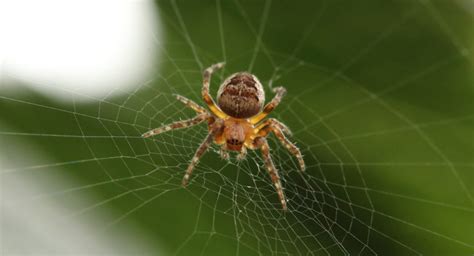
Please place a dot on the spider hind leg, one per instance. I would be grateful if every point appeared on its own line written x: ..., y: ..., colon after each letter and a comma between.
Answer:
x: 206, y: 81
x: 280, y: 92
x: 191, y: 104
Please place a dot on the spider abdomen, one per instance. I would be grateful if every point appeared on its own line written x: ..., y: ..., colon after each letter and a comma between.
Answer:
x: 241, y: 95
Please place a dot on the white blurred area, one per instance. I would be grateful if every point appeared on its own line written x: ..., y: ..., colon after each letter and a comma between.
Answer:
x: 68, y: 49
x: 84, y: 49
x: 467, y: 4
x: 35, y: 221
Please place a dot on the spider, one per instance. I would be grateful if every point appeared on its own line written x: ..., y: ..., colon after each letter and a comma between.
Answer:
x: 237, y: 122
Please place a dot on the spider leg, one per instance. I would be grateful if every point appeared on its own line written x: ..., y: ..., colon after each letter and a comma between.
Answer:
x: 193, y: 105
x: 216, y: 127
x: 176, y: 125
x: 275, y: 122
x: 243, y: 154
x: 280, y: 92
x: 265, y: 148
x: 274, y: 127
x: 205, y: 90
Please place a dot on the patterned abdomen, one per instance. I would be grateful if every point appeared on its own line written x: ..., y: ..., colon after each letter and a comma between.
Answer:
x: 241, y: 95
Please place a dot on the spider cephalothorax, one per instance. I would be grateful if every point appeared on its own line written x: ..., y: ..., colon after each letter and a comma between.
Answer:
x: 236, y: 122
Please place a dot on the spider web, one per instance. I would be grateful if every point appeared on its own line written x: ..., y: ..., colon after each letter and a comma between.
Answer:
x: 385, y: 175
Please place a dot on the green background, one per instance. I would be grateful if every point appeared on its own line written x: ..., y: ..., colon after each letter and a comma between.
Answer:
x: 380, y: 101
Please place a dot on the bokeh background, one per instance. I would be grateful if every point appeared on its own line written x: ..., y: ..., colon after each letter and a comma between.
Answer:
x: 380, y: 101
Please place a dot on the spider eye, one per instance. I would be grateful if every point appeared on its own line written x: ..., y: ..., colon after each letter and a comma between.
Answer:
x: 234, y: 142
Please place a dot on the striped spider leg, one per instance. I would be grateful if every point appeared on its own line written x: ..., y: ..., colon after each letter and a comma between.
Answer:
x: 203, y: 114
x: 279, y: 129
x: 262, y: 144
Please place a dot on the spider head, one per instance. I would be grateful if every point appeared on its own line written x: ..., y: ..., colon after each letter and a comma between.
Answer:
x: 234, y: 133
x: 241, y: 95
x: 234, y: 144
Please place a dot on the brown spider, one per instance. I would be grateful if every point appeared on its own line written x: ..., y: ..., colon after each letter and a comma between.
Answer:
x: 235, y: 123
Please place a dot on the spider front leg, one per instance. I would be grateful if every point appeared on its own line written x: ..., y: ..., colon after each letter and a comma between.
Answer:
x: 273, y: 125
x: 261, y: 142
x: 215, y: 129
x: 280, y: 92
x: 206, y: 81
x: 176, y: 125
